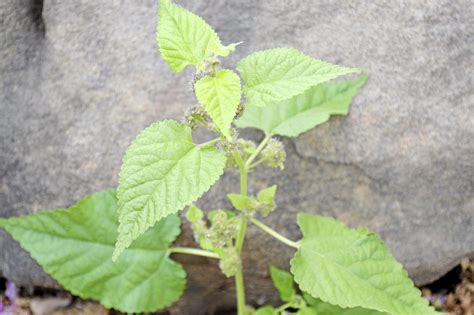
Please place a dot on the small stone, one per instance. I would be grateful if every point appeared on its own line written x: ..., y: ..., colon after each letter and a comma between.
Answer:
x: 46, y: 306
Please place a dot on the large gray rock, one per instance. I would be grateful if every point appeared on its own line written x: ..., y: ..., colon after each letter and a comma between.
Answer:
x: 81, y: 78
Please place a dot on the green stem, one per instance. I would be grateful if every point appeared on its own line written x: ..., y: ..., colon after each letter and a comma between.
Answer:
x: 239, y: 284
x: 274, y: 233
x: 208, y: 143
x: 243, y: 190
x: 255, y: 164
x: 284, y: 307
x: 192, y: 251
x: 239, y: 277
x: 259, y: 149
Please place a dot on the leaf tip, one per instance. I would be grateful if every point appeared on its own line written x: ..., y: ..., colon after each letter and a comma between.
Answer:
x: 118, y: 250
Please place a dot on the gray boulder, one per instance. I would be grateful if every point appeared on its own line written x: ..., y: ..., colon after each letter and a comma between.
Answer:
x: 81, y: 78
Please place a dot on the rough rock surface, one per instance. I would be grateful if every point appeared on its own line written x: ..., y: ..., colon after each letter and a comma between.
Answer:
x: 79, y: 79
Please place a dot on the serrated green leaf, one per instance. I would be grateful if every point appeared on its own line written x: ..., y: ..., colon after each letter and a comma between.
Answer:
x: 194, y: 214
x: 274, y: 75
x: 328, y: 309
x: 352, y: 268
x: 185, y: 38
x: 266, y: 310
x: 162, y: 172
x: 303, y: 112
x: 267, y: 195
x: 283, y: 281
x: 75, y: 247
x: 323, y: 308
x: 220, y: 95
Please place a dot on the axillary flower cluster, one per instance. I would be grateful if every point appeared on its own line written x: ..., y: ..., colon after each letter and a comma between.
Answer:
x: 116, y: 246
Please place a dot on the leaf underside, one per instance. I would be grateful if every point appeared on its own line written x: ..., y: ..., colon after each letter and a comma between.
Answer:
x: 75, y: 247
x: 162, y: 172
x: 303, y: 112
x: 220, y: 96
x: 274, y: 75
x: 352, y: 268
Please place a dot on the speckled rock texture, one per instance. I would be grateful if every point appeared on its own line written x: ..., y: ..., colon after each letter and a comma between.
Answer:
x: 79, y: 79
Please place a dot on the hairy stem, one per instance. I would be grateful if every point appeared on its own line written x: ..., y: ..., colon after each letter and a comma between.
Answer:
x: 239, y: 278
x: 192, y: 251
x: 274, y: 233
x: 259, y: 149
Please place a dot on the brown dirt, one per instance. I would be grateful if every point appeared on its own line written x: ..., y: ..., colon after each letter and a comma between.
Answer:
x: 454, y: 293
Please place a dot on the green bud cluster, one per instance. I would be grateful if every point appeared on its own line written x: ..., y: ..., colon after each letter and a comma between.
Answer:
x: 244, y: 147
x: 274, y: 154
x: 230, y: 262
x: 194, y: 116
x: 219, y: 236
x: 229, y: 147
x: 223, y: 230
x: 247, y: 147
x: 240, y: 111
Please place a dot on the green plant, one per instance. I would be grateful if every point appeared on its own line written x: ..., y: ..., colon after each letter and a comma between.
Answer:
x: 115, y: 246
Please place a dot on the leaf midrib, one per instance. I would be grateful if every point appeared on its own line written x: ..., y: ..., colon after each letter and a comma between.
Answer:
x: 295, y: 114
x: 166, y: 174
x: 192, y: 146
x: 80, y: 240
x: 186, y: 44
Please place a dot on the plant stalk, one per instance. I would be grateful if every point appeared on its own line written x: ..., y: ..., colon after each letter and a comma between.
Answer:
x: 192, y: 251
x: 239, y: 277
x: 284, y: 307
x: 259, y: 149
x: 255, y: 164
x: 274, y: 233
x: 239, y: 284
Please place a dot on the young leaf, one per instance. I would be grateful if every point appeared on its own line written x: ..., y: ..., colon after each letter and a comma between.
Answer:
x: 75, y: 245
x: 220, y: 97
x: 224, y: 51
x: 162, y: 172
x: 194, y: 214
x: 283, y: 281
x: 239, y: 202
x: 303, y: 112
x: 184, y: 38
x: 275, y: 75
x: 352, y: 268
x: 267, y: 195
